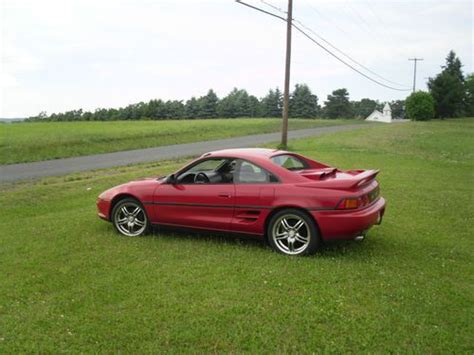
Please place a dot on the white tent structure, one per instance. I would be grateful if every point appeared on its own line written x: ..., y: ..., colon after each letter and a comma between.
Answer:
x: 385, y: 116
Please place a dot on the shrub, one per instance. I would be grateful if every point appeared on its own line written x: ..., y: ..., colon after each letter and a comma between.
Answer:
x: 420, y: 106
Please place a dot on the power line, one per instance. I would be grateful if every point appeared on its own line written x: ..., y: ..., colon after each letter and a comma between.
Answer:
x: 337, y: 49
x: 321, y: 46
x: 286, y: 89
x: 368, y: 27
x: 344, y: 62
x: 259, y: 9
x: 382, y: 24
x: 348, y: 56
x: 324, y: 48
x: 327, y: 18
x: 273, y: 7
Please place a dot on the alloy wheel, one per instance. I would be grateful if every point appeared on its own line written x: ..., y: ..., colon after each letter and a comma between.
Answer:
x: 291, y: 234
x: 130, y: 219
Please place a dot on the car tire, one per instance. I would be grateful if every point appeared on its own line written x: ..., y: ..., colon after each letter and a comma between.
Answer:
x: 293, y: 232
x: 129, y: 218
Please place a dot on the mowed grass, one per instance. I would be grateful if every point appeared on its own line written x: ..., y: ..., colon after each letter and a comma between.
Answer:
x: 26, y: 142
x: 69, y: 283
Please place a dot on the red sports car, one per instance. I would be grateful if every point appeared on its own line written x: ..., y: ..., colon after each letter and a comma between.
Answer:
x: 293, y: 202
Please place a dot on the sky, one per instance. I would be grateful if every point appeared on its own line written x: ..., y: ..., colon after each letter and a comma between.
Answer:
x: 70, y: 54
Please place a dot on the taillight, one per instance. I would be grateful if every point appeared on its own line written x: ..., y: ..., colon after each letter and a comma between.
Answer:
x: 357, y: 202
x: 348, y: 204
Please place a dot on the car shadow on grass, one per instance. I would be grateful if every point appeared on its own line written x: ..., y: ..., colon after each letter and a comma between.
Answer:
x: 181, y: 234
x: 351, y: 248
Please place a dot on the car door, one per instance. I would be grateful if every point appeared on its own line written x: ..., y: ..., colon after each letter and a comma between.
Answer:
x: 254, y: 196
x: 203, y: 206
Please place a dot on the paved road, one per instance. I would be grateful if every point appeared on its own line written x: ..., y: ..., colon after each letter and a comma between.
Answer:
x: 24, y: 171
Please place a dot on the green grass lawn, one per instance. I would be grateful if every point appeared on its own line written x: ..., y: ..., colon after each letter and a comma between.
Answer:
x: 69, y: 283
x: 25, y: 142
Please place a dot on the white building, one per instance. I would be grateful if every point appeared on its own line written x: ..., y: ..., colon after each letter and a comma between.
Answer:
x: 385, y: 116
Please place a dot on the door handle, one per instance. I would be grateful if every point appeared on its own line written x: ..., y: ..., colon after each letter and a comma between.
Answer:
x: 225, y: 195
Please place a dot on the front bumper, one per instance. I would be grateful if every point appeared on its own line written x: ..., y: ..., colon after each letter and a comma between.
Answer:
x: 343, y: 224
x: 103, y: 208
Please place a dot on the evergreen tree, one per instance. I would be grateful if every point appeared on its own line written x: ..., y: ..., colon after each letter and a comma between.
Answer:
x: 236, y: 104
x: 174, y: 109
x: 227, y: 105
x: 447, y: 88
x: 271, y: 104
x: 254, y: 107
x: 469, y: 95
x: 208, y: 105
x: 303, y: 104
x: 338, y: 105
x: 191, y: 109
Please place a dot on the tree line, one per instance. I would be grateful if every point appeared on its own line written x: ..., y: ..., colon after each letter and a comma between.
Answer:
x: 450, y: 94
x: 238, y: 103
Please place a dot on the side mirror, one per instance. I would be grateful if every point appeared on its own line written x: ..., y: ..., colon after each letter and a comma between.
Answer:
x: 171, y: 179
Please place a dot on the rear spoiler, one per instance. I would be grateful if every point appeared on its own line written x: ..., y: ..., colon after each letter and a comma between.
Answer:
x: 365, y: 177
x: 359, y: 178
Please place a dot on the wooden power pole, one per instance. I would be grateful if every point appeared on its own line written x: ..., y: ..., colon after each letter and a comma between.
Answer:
x: 414, y: 71
x: 286, y: 89
x: 286, y: 92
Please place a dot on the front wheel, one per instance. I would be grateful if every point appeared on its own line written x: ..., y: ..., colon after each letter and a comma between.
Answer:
x: 293, y: 232
x: 129, y: 218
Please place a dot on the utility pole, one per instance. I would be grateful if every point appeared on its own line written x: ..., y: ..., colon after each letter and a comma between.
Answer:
x: 414, y: 71
x: 286, y: 89
x: 286, y: 93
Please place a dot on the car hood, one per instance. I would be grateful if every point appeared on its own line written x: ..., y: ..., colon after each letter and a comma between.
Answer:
x: 144, y: 184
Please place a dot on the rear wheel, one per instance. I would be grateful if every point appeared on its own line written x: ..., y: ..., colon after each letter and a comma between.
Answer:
x: 129, y: 218
x: 293, y: 232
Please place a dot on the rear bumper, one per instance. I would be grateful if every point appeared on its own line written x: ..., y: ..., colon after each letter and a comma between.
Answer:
x: 336, y: 225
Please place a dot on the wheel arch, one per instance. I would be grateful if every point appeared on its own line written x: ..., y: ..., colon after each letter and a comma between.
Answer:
x: 119, y: 197
x: 289, y: 207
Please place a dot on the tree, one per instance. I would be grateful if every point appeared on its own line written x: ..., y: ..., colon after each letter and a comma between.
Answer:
x: 271, y: 104
x: 208, y: 105
x: 469, y: 95
x: 174, y: 109
x: 191, y: 108
x: 398, y: 108
x: 303, y: 104
x: 338, y: 104
x: 255, y: 109
x: 420, y: 106
x: 447, y: 88
x: 237, y: 104
x: 363, y: 108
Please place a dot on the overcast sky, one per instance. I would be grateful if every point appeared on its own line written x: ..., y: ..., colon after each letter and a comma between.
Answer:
x: 63, y: 55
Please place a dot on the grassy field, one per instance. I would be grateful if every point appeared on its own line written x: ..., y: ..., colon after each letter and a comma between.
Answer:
x: 27, y: 142
x: 71, y: 284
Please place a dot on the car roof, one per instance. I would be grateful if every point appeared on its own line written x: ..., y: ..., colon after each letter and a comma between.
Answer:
x: 246, y: 153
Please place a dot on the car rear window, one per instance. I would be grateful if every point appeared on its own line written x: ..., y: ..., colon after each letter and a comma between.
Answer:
x: 289, y: 162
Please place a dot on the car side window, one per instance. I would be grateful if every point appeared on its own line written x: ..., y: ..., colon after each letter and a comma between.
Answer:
x: 248, y: 173
x: 207, y: 165
x: 209, y: 171
x: 289, y: 162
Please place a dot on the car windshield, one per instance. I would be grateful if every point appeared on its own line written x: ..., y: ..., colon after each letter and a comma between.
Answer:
x: 289, y: 162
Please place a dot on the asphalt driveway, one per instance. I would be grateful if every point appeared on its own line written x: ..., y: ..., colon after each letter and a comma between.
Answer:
x: 24, y: 171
